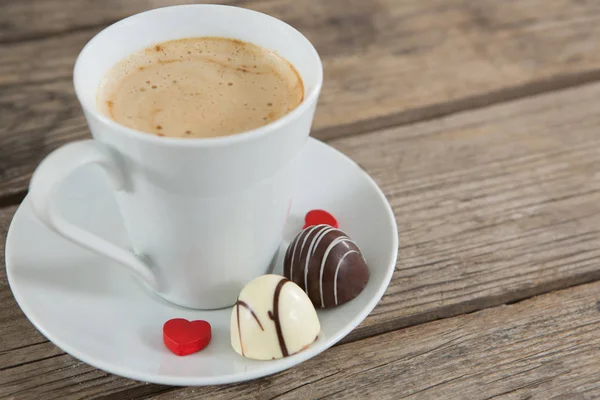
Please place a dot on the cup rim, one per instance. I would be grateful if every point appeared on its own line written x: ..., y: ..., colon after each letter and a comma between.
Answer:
x: 240, y: 137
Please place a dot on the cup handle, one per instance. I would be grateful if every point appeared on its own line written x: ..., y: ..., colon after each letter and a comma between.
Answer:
x: 46, y: 179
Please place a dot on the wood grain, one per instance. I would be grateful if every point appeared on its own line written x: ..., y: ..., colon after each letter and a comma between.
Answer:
x: 386, y: 62
x: 493, y: 206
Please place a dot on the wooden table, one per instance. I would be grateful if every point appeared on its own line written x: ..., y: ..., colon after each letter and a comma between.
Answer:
x: 481, y: 122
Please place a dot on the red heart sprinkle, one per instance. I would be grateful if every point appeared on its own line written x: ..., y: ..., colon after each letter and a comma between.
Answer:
x: 183, y: 337
x: 318, y: 217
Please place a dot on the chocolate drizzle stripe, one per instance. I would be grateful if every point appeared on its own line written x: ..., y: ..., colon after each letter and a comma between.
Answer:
x: 244, y: 304
x: 334, y: 243
x: 294, y: 253
x: 337, y: 269
x: 237, y: 308
x: 318, y: 239
x: 275, y: 317
x: 331, y: 246
x: 308, y: 233
x: 311, y: 250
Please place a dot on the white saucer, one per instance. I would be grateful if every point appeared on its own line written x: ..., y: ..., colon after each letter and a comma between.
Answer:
x: 94, y: 310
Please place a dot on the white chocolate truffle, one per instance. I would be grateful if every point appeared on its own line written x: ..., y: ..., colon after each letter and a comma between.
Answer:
x: 273, y: 318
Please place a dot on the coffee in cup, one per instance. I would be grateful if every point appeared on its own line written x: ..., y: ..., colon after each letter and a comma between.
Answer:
x: 200, y: 87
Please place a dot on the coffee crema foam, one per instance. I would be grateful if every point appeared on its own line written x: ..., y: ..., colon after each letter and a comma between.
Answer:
x: 200, y: 87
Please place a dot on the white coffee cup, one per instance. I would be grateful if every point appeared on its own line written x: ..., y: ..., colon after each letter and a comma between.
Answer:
x: 204, y: 216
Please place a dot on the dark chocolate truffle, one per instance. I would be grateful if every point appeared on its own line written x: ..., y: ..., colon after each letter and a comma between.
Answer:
x: 327, y: 265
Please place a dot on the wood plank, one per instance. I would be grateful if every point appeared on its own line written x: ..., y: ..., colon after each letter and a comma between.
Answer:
x: 493, y: 206
x: 386, y: 62
x: 546, y: 347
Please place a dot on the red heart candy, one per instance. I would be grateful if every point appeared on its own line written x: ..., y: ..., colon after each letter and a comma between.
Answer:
x: 183, y: 337
x: 318, y: 217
